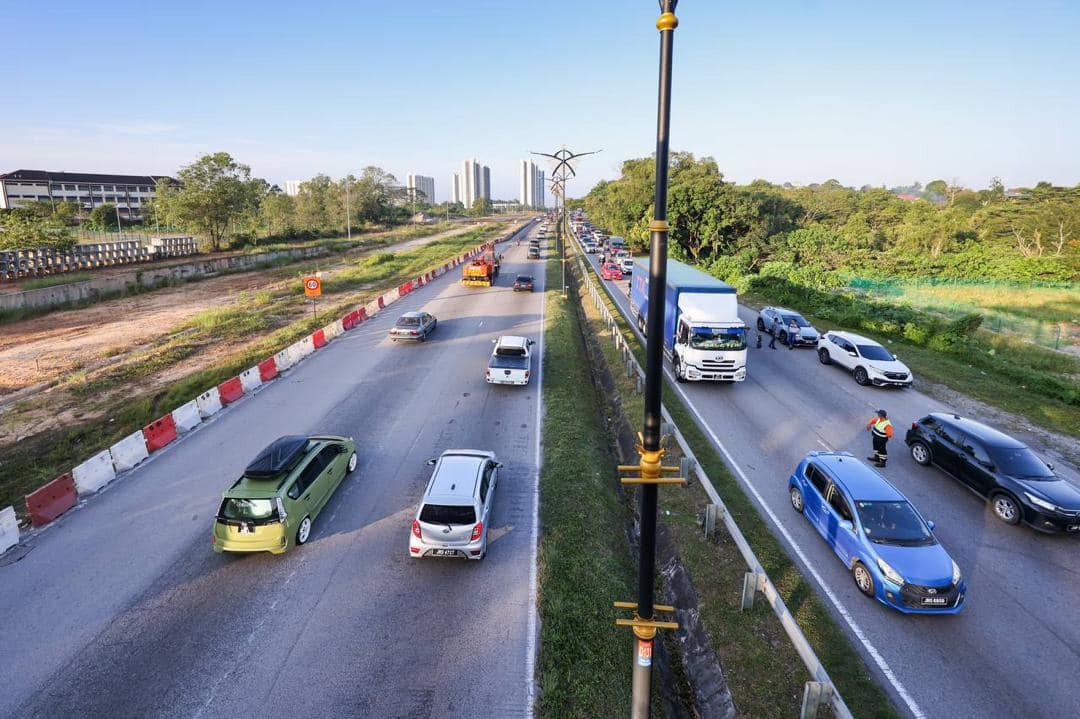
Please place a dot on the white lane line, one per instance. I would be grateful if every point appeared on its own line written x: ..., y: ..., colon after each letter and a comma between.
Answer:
x: 825, y: 445
x: 534, y: 528
x: 855, y: 628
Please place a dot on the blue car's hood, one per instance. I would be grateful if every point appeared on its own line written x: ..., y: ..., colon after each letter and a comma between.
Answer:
x: 929, y: 565
x: 1057, y: 491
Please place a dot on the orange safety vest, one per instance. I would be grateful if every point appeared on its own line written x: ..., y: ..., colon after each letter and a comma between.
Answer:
x: 880, y: 427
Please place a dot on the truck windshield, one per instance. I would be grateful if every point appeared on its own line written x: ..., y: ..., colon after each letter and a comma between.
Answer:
x: 707, y: 338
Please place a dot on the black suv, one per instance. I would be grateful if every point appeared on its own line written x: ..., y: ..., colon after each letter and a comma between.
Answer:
x: 1018, y: 485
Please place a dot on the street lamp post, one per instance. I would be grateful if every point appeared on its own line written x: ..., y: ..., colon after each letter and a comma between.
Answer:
x: 563, y: 171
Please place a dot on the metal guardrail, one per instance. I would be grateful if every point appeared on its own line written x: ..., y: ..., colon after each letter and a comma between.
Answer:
x: 818, y: 692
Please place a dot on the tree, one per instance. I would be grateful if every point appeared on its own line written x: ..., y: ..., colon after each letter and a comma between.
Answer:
x: 20, y: 229
x: 103, y: 217
x: 481, y: 207
x: 215, y: 190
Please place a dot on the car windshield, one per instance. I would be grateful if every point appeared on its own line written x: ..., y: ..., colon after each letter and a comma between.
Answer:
x: 1019, y: 462
x: 876, y: 352
x: 242, y: 508
x: 893, y: 522
x: 709, y: 338
x: 408, y: 322
x: 797, y: 319
x: 447, y: 514
x: 524, y: 278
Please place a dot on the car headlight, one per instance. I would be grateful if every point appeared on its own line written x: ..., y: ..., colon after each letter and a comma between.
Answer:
x: 955, y: 573
x: 1041, y: 503
x: 891, y: 574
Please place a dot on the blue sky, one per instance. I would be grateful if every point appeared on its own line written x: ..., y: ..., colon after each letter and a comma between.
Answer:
x: 867, y: 93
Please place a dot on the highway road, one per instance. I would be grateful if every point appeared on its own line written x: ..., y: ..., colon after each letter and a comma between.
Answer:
x: 1015, y: 649
x: 121, y: 609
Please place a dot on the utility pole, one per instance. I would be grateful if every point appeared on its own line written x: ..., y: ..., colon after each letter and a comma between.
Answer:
x: 563, y: 171
x: 650, y: 472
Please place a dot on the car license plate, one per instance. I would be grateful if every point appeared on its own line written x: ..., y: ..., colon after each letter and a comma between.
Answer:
x: 934, y: 601
x: 444, y: 553
x: 246, y: 529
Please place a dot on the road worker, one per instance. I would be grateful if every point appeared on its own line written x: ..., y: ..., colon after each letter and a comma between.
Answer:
x: 881, y: 432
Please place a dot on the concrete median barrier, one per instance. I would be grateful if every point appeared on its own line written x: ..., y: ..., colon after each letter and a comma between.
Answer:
x: 51, y: 500
x: 9, y: 529
x: 301, y: 349
x: 334, y: 329
x: 186, y: 417
x: 129, y: 451
x: 250, y: 378
x: 268, y: 369
x: 230, y: 390
x: 94, y: 473
x: 209, y: 403
x: 159, y: 433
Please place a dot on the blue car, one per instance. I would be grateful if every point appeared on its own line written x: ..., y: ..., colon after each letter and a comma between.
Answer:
x: 890, y: 550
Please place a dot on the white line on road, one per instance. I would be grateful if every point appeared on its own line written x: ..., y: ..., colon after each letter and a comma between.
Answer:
x: 530, y: 647
x: 827, y: 447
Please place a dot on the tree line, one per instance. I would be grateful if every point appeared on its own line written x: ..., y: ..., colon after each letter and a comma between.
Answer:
x: 824, y: 234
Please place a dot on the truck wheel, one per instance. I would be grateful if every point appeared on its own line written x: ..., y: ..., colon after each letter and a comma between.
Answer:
x: 760, y: 325
x: 677, y: 369
x: 641, y: 324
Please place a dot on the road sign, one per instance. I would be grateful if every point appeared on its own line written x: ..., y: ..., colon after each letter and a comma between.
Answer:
x: 312, y: 286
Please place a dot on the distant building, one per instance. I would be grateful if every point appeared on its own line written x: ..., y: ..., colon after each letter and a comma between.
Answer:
x: 530, y: 185
x: 475, y: 181
x: 130, y: 193
x: 420, y: 188
x: 485, y: 189
x: 456, y: 195
x: 292, y: 187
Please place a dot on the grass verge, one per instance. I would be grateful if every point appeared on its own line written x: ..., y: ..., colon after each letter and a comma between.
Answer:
x: 584, y: 564
x: 29, y: 463
x: 764, y: 673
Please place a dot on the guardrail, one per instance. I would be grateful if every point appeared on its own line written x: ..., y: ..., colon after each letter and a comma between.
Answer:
x: 818, y: 692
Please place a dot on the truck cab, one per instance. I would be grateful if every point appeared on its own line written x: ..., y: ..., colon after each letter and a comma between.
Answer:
x: 704, y: 337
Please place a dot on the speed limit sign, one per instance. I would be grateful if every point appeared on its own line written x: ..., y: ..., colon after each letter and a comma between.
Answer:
x: 312, y: 286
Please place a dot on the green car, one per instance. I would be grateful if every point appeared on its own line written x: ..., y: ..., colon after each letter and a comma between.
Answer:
x: 271, y: 507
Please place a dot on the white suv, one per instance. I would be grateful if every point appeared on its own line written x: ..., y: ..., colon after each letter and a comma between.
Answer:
x: 510, y: 361
x: 454, y: 516
x: 868, y: 361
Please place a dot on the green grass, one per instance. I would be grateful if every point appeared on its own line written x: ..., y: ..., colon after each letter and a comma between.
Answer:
x: 52, y: 280
x: 584, y: 562
x: 26, y: 465
x: 764, y: 673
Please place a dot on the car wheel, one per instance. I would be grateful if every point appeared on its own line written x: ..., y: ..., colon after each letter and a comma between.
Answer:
x: 796, y: 499
x: 783, y: 337
x: 760, y: 325
x: 676, y: 367
x: 303, y: 531
x: 1006, y: 508
x: 920, y: 453
x: 863, y: 579
x: 823, y: 356
x: 861, y: 378
x: 352, y: 463
x: 641, y: 324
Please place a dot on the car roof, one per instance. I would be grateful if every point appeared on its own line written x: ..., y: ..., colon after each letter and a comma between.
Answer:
x: 977, y: 430
x: 411, y: 314
x: 512, y: 341
x: 784, y: 311
x: 266, y: 483
x: 860, y: 481
x: 456, y: 475
x: 852, y: 337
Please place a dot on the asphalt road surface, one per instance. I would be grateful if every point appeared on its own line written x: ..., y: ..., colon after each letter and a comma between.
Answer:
x: 121, y: 609
x: 1014, y: 651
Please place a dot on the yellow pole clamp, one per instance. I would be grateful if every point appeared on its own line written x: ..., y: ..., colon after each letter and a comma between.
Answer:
x: 645, y: 629
x: 667, y: 21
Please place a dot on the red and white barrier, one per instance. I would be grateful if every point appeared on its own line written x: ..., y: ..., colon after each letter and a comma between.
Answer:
x: 318, y: 339
x: 129, y: 451
x: 334, y: 329
x: 9, y: 529
x: 209, y: 403
x: 268, y: 369
x: 186, y: 417
x: 283, y: 360
x: 301, y: 349
x: 159, y: 433
x: 230, y: 390
x: 250, y: 379
x: 50, y: 500
x: 94, y: 473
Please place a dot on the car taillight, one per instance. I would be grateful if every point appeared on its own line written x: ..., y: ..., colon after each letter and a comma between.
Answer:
x: 487, y: 371
x: 914, y: 425
x: 477, y: 531
x: 416, y: 528
x: 414, y: 333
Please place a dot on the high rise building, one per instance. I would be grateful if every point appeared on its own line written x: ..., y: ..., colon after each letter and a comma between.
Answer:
x: 420, y: 188
x: 456, y: 195
x: 292, y: 187
x: 530, y: 185
x: 538, y: 201
x: 485, y: 191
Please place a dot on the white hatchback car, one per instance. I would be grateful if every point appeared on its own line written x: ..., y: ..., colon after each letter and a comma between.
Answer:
x: 868, y: 361
x: 510, y: 361
x: 454, y: 516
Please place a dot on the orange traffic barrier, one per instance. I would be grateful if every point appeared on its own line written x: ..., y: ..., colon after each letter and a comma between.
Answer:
x: 51, y: 500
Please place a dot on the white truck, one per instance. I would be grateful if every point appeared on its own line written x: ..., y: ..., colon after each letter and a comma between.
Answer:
x: 703, y: 335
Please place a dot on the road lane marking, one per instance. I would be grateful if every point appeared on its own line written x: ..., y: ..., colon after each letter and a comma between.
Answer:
x: 827, y: 447
x: 886, y: 670
x: 534, y: 525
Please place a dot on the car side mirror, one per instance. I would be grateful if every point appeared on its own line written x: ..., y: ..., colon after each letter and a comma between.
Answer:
x: 431, y: 462
x: 532, y: 342
x: 1050, y: 466
x: 930, y: 524
x: 498, y: 465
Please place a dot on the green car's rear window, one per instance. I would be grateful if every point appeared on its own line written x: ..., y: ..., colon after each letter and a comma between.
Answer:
x: 249, y: 509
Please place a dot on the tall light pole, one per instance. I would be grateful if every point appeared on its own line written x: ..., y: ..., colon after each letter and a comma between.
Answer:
x: 650, y: 452
x: 563, y: 171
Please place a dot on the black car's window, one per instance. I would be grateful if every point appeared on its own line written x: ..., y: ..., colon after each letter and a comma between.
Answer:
x: 816, y: 478
x: 949, y: 434
x: 329, y: 453
x: 876, y: 352
x: 308, y: 475
x: 485, y: 483
x: 894, y: 522
x: 976, y: 450
x: 837, y: 502
x: 1020, y: 462
x: 447, y: 514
